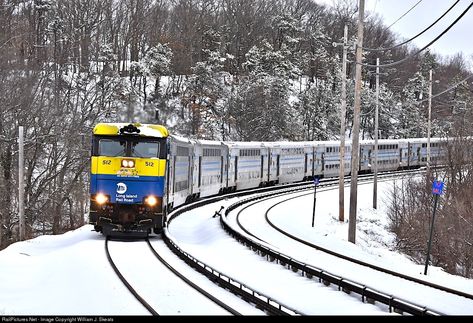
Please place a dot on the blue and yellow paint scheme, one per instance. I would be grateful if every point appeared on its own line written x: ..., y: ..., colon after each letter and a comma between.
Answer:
x: 127, y: 190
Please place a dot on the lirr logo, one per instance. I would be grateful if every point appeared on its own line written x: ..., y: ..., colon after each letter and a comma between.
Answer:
x: 121, y: 188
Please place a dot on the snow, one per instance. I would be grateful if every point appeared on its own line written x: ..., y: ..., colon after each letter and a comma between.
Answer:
x: 69, y: 274
x: 371, y: 237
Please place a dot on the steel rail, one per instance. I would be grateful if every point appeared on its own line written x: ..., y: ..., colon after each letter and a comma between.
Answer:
x: 410, y: 307
x: 360, y: 262
x: 261, y: 300
x: 192, y: 284
x: 247, y: 293
x: 126, y: 283
x: 324, y: 276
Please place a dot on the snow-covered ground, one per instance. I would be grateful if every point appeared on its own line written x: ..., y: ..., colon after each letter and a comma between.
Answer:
x: 373, y: 240
x: 69, y: 274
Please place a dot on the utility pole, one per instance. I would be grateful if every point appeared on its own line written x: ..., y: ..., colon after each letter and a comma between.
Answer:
x: 21, y: 183
x: 428, y: 122
x: 429, y: 245
x: 316, y: 182
x: 375, y: 181
x: 437, y: 189
x: 355, y: 150
x: 343, y: 108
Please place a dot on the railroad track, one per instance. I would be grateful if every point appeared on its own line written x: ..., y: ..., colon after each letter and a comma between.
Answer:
x: 265, y: 302
x: 249, y: 294
x: 360, y: 262
x: 138, y: 297
x: 264, y: 247
x: 192, y: 284
x: 152, y: 309
x: 261, y: 301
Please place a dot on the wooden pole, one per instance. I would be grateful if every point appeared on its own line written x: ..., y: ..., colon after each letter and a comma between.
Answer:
x: 375, y: 180
x: 355, y: 151
x: 343, y: 108
x: 21, y: 183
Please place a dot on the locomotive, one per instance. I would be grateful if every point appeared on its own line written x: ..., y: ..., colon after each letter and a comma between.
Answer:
x: 127, y: 176
x: 139, y: 172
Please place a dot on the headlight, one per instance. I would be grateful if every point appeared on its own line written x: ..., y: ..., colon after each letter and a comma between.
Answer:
x: 101, y: 198
x: 128, y: 163
x: 151, y: 200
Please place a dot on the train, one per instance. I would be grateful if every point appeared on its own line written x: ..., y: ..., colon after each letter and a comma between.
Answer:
x: 140, y: 172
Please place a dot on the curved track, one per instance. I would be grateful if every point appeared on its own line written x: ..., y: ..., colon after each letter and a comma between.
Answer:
x: 190, y: 283
x: 229, y: 282
x: 126, y: 283
x: 148, y: 284
x: 355, y: 260
x: 325, y: 250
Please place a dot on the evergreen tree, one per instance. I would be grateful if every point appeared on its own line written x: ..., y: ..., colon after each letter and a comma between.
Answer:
x: 207, y: 97
x: 266, y: 94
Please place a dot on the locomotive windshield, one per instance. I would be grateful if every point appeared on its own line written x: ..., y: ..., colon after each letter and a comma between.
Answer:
x: 112, y: 147
x: 144, y: 149
x: 129, y: 147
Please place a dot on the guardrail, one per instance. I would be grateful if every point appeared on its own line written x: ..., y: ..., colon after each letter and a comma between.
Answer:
x: 261, y: 300
x: 366, y: 292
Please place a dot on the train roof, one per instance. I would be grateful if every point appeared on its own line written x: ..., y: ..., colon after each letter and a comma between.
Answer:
x: 245, y: 144
x: 198, y: 141
x: 181, y: 139
x: 333, y: 143
x: 271, y: 144
x: 209, y: 142
x: 381, y: 141
x: 421, y: 140
x: 117, y: 129
x: 291, y: 144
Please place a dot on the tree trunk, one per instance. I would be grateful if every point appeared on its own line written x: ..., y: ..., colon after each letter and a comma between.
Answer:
x: 84, y: 50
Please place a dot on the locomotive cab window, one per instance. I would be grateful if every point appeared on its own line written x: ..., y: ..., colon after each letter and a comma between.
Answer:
x: 129, y: 147
x: 112, y: 148
x: 145, y: 149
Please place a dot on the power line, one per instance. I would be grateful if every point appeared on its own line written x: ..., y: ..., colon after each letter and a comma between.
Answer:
x: 426, y: 46
x: 449, y: 89
x: 403, y: 14
x: 411, y: 39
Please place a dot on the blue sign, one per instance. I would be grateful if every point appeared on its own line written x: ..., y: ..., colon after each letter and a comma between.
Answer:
x: 316, y: 181
x: 127, y: 190
x: 437, y: 187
